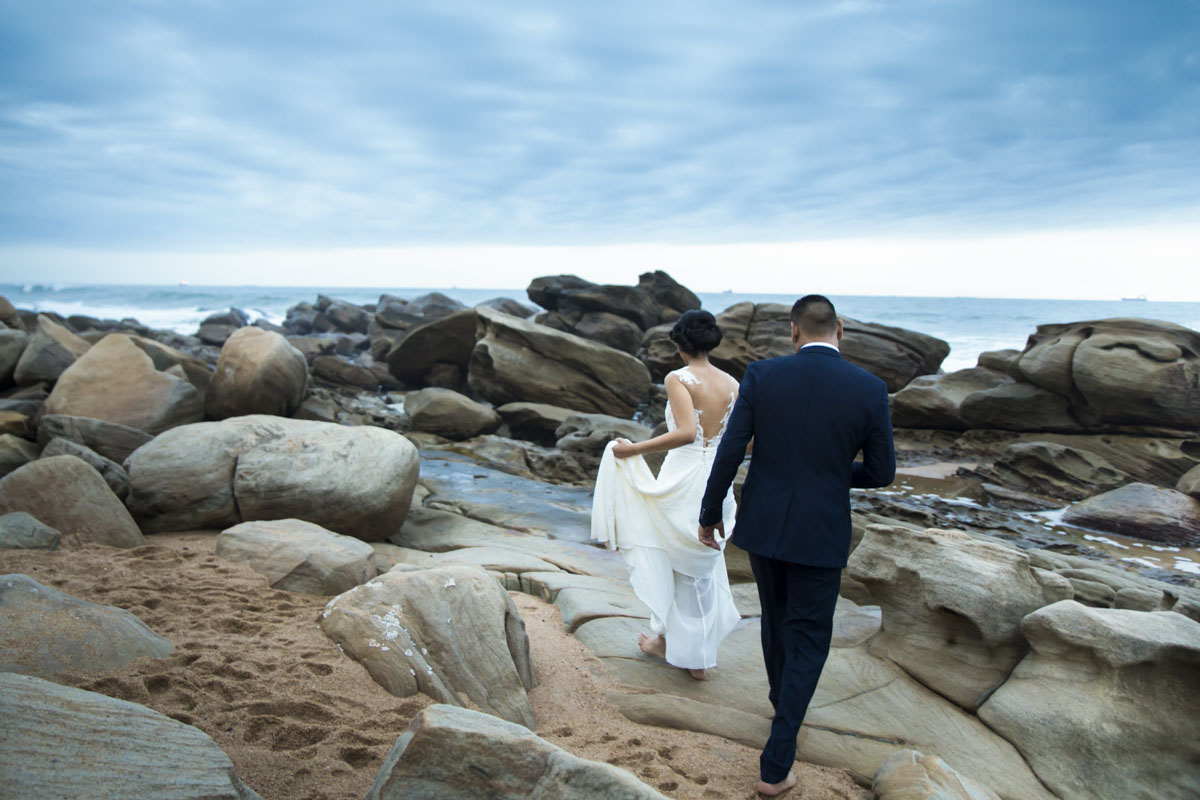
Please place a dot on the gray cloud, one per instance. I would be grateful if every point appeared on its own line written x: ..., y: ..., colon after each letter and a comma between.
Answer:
x: 254, y: 124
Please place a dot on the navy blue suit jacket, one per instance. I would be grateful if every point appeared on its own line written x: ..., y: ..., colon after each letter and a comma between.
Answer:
x: 810, y: 414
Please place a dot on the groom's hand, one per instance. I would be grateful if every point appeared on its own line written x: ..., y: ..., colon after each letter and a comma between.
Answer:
x: 708, y: 535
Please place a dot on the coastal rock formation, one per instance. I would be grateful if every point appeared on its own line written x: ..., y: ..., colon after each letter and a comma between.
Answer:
x: 65, y: 742
x: 47, y: 632
x: 257, y: 467
x: 449, y: 414
x: 115, y: 381
x: 70, y: 496
x: 50, y: 350
x: 1142, y: 511
x: 112, y: 472
x: 934, y: 401
x: 299, y: 556
x: 1189, y: 484
x: 447, y: 340
x: 1104, y: 706
x: 952, y: 606
x: 258, y: 372
x: 337, y: 371
x: 338, y: 315
x: 15, y: 452
x: 455, y: 752
x: 218, y: 327
x: 534, y: 422
x: 590, y: 433
x: 12, y: 345
x: 452, y: 633
x: 109, y: 439
x: 659, y: 353
x: 21, y: 530
x: 520, y: 361
x: 168, y: 359
x: 908, y: 775
x: 1018, y: 407
x: 1053, y: 469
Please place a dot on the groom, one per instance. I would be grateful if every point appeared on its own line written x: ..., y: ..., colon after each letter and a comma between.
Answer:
x: 809, y: 414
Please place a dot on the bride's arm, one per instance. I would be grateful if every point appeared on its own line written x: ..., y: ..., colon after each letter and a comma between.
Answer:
x: 685, y: 425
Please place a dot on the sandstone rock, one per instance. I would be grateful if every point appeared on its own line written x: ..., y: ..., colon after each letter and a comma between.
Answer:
x: 12, y: 345
x: 534, y: 422
x: 393, y: 312
x: 312, y: 346
x: 1018, y: 407
x: 1004, y: 361
x: 517, y: 360
x: 217, y: 474
x: 1104, y: 706
x: 216, y: 328
x: 116, y: 381
x: 1189, y: 484
x: 109, y: 439
x: 1053, y: 469
x: 50, y: 350
x: 908, y: 775
x: 339, y: 372
x: 167, y: 358
x: 449, y: 414
x: 952, y: 606
x: 19, y: 529
x: 300, y: 318
x: 659, y: 353
x: 509, y: 306
x: 447, y: 340
x: 452, y: 633
x: 299, y: 556
x: 112, y: 472
x: 9, y: 317
x: 258, y: 372
x: 66, y: 742
x: 341, y: 316
x: 933, y: 401
x: 548, y: 291
x: 667, y: 292
x: 583, y: 598
x: 47, y: 632
x: 69, y: 495
x: 455, y: 752
x: 14, y: 423
x: 1141, y: 511
x: 590, y: 433
x: 609, y: 329
x: 434, y: 305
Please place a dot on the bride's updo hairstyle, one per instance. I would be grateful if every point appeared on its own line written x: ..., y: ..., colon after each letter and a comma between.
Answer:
x: 696, y: 332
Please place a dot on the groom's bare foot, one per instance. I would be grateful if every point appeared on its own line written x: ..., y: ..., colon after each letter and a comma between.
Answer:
x: 772, y: 789
x: 653, y: 645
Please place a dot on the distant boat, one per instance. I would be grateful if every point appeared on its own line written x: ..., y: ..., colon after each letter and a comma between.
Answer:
x: 727, y: 291
x: 185, y: 283
x: 1141, y: 298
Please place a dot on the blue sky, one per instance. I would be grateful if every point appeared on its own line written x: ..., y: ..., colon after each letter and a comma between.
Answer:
x: 214, y: 131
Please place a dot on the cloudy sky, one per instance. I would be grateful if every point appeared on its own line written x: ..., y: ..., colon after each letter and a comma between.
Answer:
x: 1023, y: 148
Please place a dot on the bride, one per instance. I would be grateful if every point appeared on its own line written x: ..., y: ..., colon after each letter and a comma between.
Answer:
x: 652, y: 521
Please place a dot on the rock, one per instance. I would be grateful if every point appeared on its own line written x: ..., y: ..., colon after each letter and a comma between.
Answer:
x: 454, y: 752
x: 517, y: 360
x: 339, y: 372
x: 12, y: 345
x: 1053, y: 469
x: 1142, y: 511
x: 448, y: 340
x: 1101, y: 689
x: 393, y: 313
x: 1005, y: 497
x: 343, y: 316
x: 583, y: 598
x: 20, y: 530
x: 590, y: 433
x: 115, y: 381
x: 908, y: 775
x: 610, y: 329
x: 14, y: 423
x: 318, y: 409
x: 299, y: 556
x: 952, y: 606
x: 312, y: 346
x: 258, y: 372
x: 217, y: 474
x: 449, y: 414
x: 66, y: 742
x: 167, y: 359
x: 216, y: 328
x: 452, y: 633
x: 50, y: 350
x: 933, y: 401
x: 1018, y: 407
x: 534, y: 422
x: 509, y: 306
x: 1189, y: 484
x: 1000, y: 361
x: 69, y: 495
x: 109, y: 439
x: 659, y: 353
x: 9, y: 316
x: 1138, y: 599
x: 667, y: 292
x: 47, y: 632
x: 112, y: 472
x: 434, y: 305
x: 548, y: 291
x: 681, y: 713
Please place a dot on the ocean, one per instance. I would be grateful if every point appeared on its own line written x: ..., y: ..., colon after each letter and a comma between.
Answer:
x: 970, y: 325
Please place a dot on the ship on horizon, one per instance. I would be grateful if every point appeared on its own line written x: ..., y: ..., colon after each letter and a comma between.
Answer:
x: 1140, y: 298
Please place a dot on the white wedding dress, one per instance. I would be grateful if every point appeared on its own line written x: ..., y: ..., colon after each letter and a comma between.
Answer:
x: 654, y: 523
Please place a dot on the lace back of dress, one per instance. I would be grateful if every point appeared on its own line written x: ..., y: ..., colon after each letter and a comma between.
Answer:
x: 686, y: 376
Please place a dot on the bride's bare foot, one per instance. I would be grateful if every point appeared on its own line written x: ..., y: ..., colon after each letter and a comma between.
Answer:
x: 698, y: 674
x: 772, y: 789
x: 653, y: 645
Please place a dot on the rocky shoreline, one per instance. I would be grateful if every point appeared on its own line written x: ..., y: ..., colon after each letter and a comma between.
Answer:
x: 1032, y: 581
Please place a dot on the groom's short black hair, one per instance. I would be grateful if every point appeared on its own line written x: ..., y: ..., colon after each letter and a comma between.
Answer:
x: 814, y: 315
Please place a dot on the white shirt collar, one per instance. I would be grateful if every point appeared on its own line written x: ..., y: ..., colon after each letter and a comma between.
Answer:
x: 821, y: 344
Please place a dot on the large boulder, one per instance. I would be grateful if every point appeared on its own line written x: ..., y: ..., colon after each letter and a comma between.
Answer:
x: 952, y: 606
x: 1105, y: 706
x: 1142, y: 511
x: 447, y: 340
x: 70, y: 495
x: 910, y: 775
x: 1057, y: 470
x: 50, y: 350
x: 9, y: 316
x: 450, y: 414
x: 338, y: 371
x: 451, y: 632
x: 610, y: 329
x: 218, y: 327
x: 659, y: 353
x: 534, y: 422
x: 590, y: 433
x: 357, y: 481
x: 117, y: 382
x: 515, y: 360
x: 109, y: 439
x: 338, y: 315
x: 15, y: 451
x: 47, y: 632
x: 66, y: 742
x: 168, y: 359
x: 673, y: 297
x: 299, y: 556
x: 933, y: 401
x: 258, y: 372
x: 1189, y: 484
x: 455, y: 752
x: 112, y: 472
x: 1019, y: 407
x: 12, y: 345
x: 21, y: 530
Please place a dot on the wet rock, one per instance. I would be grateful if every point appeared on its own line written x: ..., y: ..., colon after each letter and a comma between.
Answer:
x: 1100, y: 689
x: 216, y: 328
x: 933, y: 401
x: 258, y: 372
x: 452, y: 633
x: 112, y: 472
x: 1141, y: 511
x: 50, y: 349
x: 1053, y: 469
x: 449, y: 414
x: 448, y: 340
x: 109, y: 439
x: 299, y: 556
x: 908, y: 774
x: 20, y: 530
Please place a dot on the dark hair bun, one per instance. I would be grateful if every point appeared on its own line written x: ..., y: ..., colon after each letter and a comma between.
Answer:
x: 696, y: 332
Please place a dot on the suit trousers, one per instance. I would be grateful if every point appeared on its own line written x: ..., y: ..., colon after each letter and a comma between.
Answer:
x: 797, y: 626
